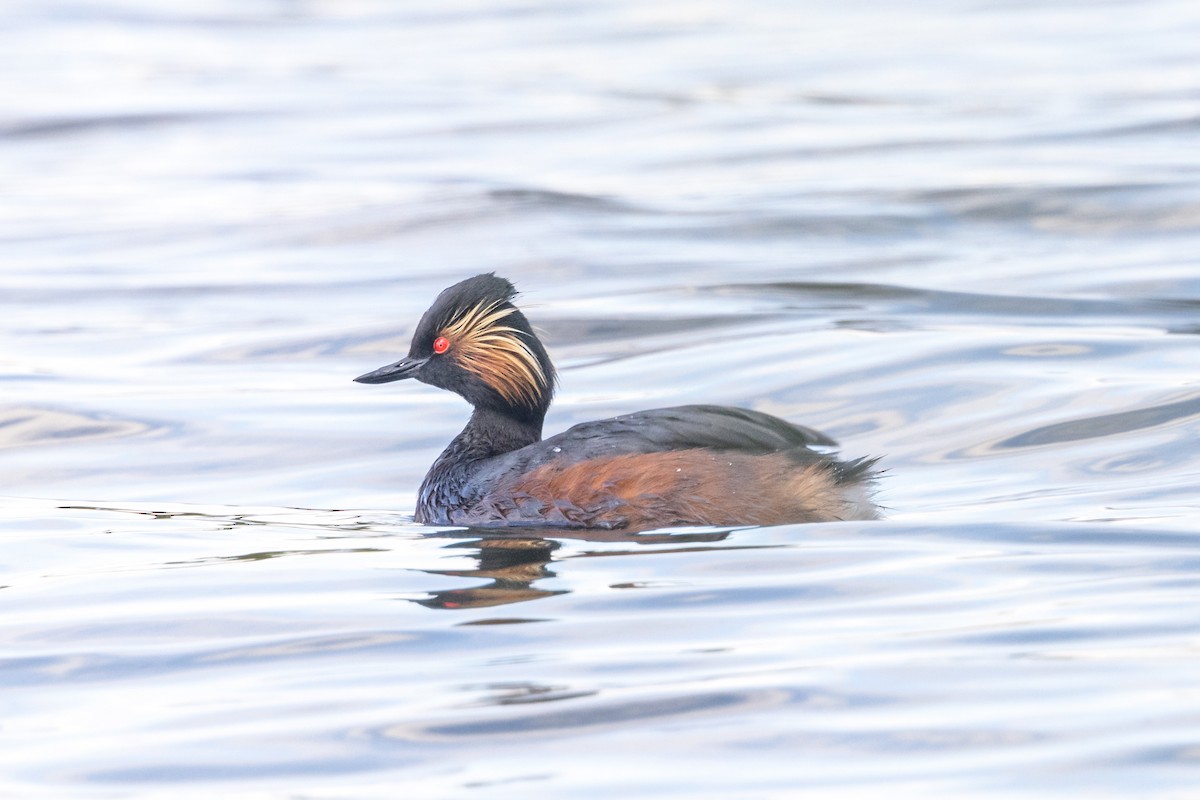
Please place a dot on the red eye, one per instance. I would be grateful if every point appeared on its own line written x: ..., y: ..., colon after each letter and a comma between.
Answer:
x: 441, y: 344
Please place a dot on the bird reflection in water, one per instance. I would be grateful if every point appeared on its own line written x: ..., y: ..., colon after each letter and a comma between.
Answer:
x: 514, y: 563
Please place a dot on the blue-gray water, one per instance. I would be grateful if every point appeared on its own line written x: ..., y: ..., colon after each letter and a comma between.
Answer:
x: 960, y: 235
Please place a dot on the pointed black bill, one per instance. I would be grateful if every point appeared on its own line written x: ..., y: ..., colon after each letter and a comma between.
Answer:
x: 404, y: 368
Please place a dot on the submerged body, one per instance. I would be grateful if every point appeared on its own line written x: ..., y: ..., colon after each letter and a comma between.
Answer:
x: 688, y: 465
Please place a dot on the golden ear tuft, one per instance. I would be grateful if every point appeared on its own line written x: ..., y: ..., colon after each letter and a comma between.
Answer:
x: 497, y: 354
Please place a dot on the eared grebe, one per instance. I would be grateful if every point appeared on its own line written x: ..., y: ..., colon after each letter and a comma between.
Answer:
x: 688, y: 465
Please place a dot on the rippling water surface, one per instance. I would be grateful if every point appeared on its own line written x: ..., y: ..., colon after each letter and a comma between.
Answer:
x: 960, y: 235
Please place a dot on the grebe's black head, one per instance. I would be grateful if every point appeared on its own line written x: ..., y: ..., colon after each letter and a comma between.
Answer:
x: 475, y: 342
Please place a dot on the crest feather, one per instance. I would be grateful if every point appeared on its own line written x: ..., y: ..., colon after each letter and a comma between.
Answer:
x: 496, y: 353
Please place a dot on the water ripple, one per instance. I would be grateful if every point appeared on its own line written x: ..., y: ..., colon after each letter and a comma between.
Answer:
x: 23, y: 426
x: 1105, y: 424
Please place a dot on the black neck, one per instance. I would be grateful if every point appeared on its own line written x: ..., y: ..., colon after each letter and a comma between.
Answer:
x: 490, y: 433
